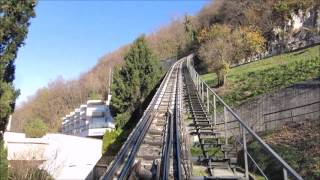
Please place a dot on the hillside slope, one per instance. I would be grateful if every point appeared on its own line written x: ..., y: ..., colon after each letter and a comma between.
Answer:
x: 251, y: 80
x: 298, y: 144
x: 176, y: 38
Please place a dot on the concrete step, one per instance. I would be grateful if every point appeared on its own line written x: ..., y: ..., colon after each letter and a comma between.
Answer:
x: 155, y: 132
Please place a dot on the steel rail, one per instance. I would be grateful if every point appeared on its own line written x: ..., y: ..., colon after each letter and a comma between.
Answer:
x: 166, y: 149
x: 248, y: 129
x: 173, y: 136
x: 124, y: 173
x: 165, y: 167
x: 141, y: 136
x: 177, y: 120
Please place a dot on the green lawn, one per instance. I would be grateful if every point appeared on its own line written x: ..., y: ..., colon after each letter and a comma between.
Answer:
x: 256, y: 78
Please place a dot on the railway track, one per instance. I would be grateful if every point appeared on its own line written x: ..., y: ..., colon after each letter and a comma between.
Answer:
x: 152, y: 150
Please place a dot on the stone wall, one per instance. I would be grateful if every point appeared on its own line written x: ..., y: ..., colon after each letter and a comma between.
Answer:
x: 299, y: 102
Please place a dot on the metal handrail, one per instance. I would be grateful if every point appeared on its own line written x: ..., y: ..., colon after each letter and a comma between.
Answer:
x: 285, y: 166
x: 255, y: 163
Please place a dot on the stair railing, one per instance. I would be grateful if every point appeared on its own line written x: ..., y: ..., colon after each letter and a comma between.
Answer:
x: 211, y: 100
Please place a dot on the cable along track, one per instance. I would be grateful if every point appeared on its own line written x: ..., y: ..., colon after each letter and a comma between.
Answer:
x: 147, y: 152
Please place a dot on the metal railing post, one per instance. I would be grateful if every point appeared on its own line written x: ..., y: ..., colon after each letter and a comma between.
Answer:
x: 285, y: 174
x: 198, y: 82
x: 225, y: 114
x: 202, y: 92
x: 208, y: 104
x: 286, y: 168
x: 245, y: 152
x: 291, y: 115
x: 214, y: 110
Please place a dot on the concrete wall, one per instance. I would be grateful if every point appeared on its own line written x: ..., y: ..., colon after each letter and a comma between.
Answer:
x: 63, y: 156
x: 299, y: 102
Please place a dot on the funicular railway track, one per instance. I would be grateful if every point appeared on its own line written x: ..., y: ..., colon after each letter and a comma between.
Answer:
x: 152, y: 151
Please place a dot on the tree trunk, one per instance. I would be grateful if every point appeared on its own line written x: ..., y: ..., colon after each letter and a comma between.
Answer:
x: 222, y: 76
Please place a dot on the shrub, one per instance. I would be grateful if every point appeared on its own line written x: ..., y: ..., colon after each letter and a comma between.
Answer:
x: 3, y: 162
x: 27, y: 170
x: 35, y: 128
x: 122, y: 119
x: 109, y: 138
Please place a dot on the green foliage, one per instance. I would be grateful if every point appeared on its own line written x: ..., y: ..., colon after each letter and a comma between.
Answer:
x: 300, y: 161
x: 135, y: 80
x: 14, y: 22
x: 190, y: 33
x: 109, y: 138
x: 122, y: 119
x: 253, y: 79
x: 35, y: 128
x: 269, y: 165
x: 196, y: 150
x: 112, y: 141
x: 3, y: 162
x: 94, y: 95
x: 281, y: 7
x: 284, y: 6
x: 221, y: 46
x: 130, y: 88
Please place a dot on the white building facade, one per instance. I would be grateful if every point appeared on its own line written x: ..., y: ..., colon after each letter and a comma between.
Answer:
x: 89, y: 120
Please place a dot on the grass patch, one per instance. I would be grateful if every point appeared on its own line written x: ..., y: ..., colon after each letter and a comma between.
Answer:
x: 199, y: 171
x: 256, y: 78
x: 196, y: 150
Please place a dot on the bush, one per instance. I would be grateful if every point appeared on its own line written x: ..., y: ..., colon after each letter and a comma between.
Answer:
x: 35, y: 128
x: 27, y: 170
x: 109, y: 138
x: 122, y: 119
x: 3, y: 162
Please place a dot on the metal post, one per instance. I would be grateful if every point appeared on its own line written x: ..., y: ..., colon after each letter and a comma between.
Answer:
x: 214, y: 110
x: 208, y: 104
x: 245, y: 152
x: 265, y: 123
x: 202, y: 92
x: 225, y: 114
x: 192, y: 72
x: 285, y: 174
x: 197, y: 82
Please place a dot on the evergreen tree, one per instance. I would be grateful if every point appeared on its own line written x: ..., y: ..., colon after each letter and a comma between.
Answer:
x: 189, y: 30
x: 14, y: 22
x: 135, y: 80
x: 3, y: 162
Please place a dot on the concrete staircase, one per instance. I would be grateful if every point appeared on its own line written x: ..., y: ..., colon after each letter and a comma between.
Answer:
x: 222, y: 163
